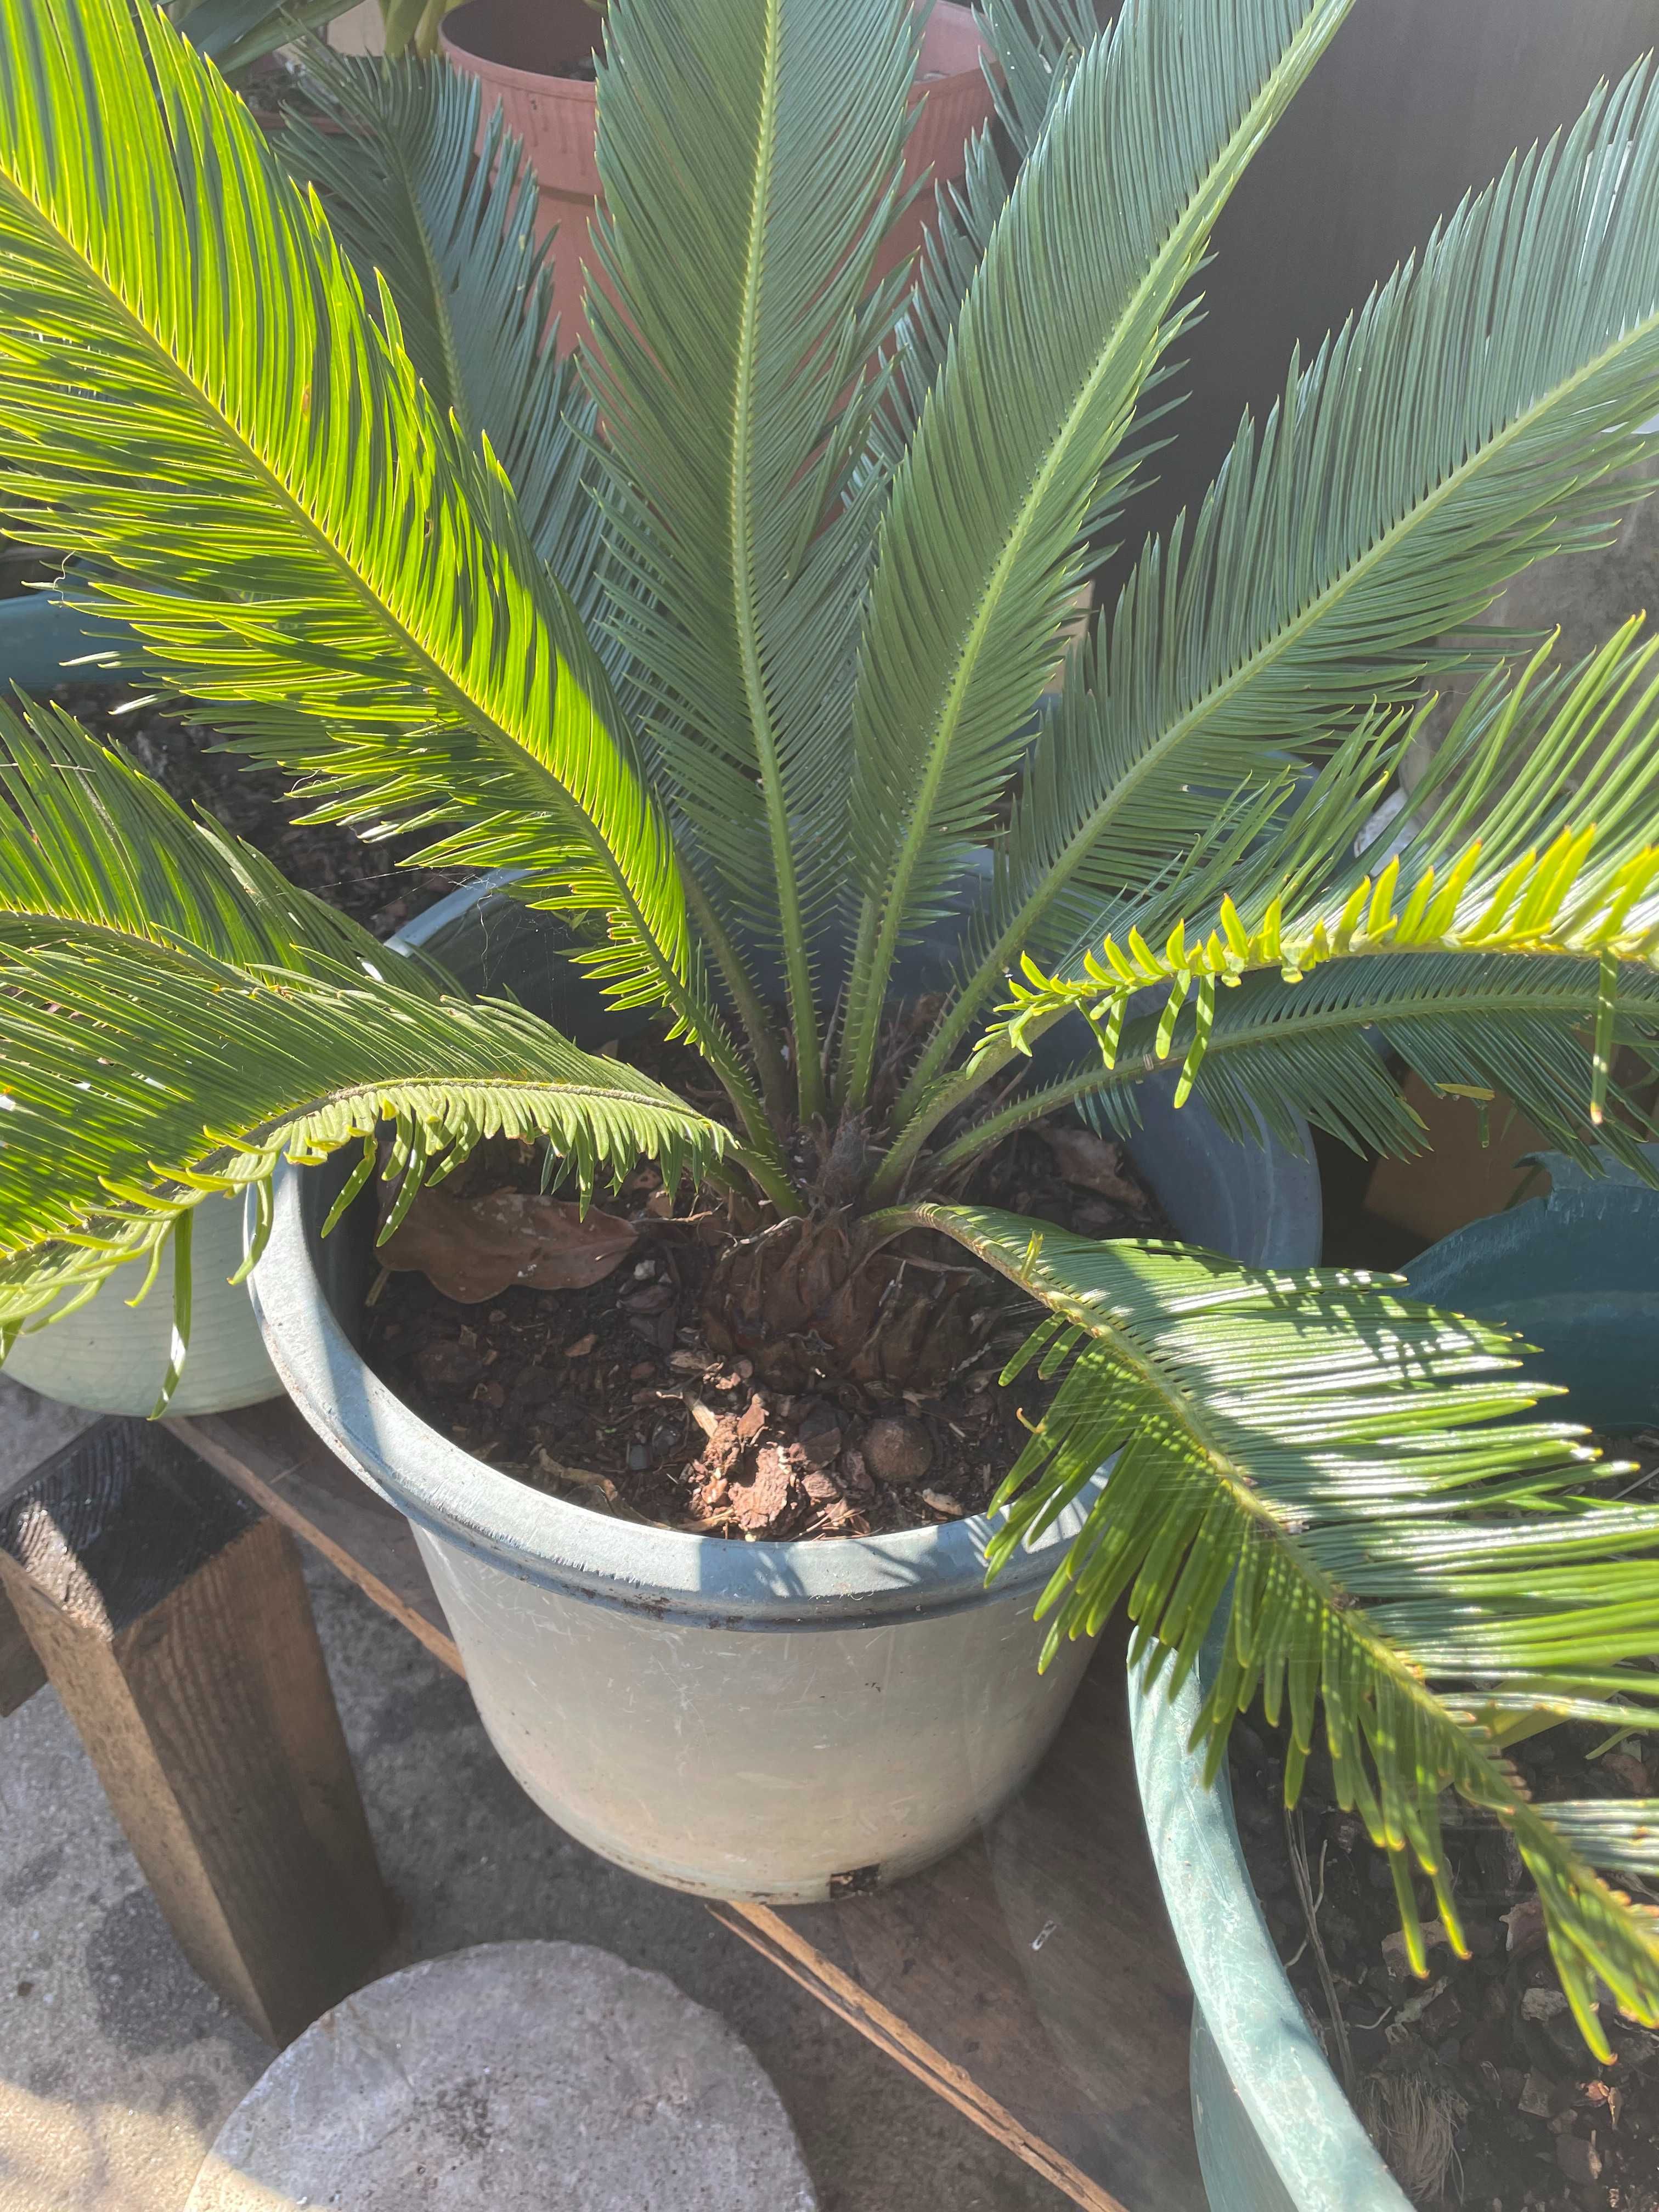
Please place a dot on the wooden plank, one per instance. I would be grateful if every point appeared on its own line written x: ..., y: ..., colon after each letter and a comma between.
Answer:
x: 270, y: 1455
x: 20, y: 1672
x: 1031, y: 1979
x: 1037, y: 1967
x: 769, y: 1933
x: 172, y: 1618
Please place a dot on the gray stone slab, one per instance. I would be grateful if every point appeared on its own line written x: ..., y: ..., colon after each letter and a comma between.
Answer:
x: 524, y: 2077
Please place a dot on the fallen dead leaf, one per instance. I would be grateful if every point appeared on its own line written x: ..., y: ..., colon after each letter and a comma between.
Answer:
x: 473, y: 1249
x: 1092, y: 1163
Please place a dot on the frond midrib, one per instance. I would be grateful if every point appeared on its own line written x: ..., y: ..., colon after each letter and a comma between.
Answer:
x: 262, y: 1137
x: 1465, y: 1752
x: 454, y: 377
x: 1125, y: 1074
x: 745, y: 596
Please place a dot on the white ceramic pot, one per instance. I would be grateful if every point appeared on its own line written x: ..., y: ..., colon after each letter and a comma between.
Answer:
x: 772, y: 1721
x: 111, y: 1357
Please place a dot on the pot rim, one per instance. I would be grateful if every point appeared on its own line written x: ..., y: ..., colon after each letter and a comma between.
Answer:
x: 947, y: 29
x: 1297, y: 2106
x: 554, y: 1544
x: 557, y: 1544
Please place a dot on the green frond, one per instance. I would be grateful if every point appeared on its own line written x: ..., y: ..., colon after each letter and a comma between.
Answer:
x: 443, y: 205
x: 193, y: 393
x: 1068, y: 313
x: 175, y: 1017
x: 235, y: 34
x: 140, y: 1078
x: 1474, y: 1024
x: 90, y: 848
x: 1558, y: 867
x: 1483, y: 410
x: 1345, y: 1479
x: 733, y: 359
x: 1034, y: 46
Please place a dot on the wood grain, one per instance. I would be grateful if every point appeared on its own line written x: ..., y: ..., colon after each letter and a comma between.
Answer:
x: 1030, y: 1980
x: 273, y: 1458
x: 203, y: 1699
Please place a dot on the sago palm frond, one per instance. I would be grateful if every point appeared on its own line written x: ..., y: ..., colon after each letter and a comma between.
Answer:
x: 195, y: 395
x: 732, y: 358
x: 1473, y: 1025
x: 137, y: 1085
x: 1344, y: 1478
x: 1076, y: 300
x: 1034, y: 46
x: 1532, y: 841
x: 446, y: 210
x: 1483, y: 410
x: 236, y: 33
x: 90, y: 848
x: 1558, y: 867
x: 175, y: 1017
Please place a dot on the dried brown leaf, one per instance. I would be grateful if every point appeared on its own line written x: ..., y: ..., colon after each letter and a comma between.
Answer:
x: 474, y: 1249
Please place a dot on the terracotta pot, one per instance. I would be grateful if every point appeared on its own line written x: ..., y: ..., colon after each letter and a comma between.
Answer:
x: 521, y: 51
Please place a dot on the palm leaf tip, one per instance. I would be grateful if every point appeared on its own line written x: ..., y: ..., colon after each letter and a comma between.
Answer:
x: 1348, y: 1484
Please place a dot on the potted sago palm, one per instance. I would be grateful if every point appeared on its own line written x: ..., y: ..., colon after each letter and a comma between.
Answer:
x: 720, y: 664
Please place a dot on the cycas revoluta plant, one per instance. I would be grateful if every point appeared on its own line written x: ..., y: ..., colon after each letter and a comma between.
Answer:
x: 731, y: 651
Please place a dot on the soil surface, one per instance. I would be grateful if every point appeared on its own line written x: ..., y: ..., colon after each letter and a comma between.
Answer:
x: 182, y: 754
x: 1475, y: 2085
x: 612, y: 1396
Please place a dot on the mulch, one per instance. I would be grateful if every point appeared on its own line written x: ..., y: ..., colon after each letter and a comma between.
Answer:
x: 613, y: 1396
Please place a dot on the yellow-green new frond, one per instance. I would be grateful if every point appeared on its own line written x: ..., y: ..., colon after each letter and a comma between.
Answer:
x: 1345, y: 1483
x: 1532, y: 841
x: 194, y: 394
x: 1566, y: 902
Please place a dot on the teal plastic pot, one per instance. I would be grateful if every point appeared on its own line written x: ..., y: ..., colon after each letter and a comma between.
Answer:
x: 1577, y: 1275
x: 1275, y: 2132
x: 110, y: 1357
x: 44, y: 642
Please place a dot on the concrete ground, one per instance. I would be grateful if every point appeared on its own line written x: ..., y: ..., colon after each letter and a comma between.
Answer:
x: 118, y: 2066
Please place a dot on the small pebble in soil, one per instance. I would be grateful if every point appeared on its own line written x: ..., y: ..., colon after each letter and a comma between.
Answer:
x: 898, y: 1449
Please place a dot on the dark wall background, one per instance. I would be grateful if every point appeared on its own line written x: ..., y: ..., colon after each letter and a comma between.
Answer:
x: 1415, y: 102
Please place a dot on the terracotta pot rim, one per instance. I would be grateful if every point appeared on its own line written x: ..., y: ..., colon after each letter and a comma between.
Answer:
x: 948, y: 16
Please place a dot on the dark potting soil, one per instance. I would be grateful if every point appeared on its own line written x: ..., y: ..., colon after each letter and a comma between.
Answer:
x: 1475, y: 2084
x: 362, y: 880
x: 612, y: 1396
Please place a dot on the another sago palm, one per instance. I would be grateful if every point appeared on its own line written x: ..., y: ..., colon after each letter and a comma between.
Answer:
x: 729, y: 644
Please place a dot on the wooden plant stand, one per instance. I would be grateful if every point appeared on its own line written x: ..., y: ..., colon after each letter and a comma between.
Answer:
x: 172, y: 1618
x: 1031, y: 1979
